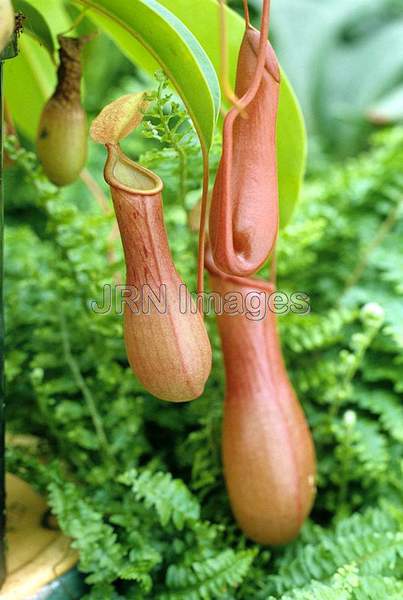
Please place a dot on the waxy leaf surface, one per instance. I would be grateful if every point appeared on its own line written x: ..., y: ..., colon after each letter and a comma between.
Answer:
x: 146, y: 25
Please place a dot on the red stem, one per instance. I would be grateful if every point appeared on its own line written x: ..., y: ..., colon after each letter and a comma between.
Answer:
x: 264, y: 32
x: 202, y: 231
x: 246, y: 12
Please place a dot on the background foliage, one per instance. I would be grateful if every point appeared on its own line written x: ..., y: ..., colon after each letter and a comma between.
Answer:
x: 341, y: 66
x: 138, y: 483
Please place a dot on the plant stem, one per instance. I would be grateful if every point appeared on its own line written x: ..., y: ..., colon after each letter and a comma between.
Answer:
x: 224, y: 67
x: 352, y: 370
x: 202, y: 230
x: 183, y: 172
x: 96, y: 191
x: 82, y: 386
x: 345, y: 468
x: 383, y: 230
x: 77, y: 21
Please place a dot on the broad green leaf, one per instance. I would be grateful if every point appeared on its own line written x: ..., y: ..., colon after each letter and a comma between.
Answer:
x: 55, y: 14
x: 149, y: 49
x: 29, y: 81
x: 35, y: 25
x: 169, y: 43
x: 202, y: 18
x: 291, y: 151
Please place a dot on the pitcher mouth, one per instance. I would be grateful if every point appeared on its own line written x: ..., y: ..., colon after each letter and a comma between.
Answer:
x: 123, y: 173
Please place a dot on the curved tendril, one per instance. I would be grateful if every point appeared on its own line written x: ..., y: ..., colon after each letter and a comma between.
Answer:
x: 248, y: 97
x: 241, y: 103
x: 202, y: 231
x: 246, y: 12
x: 224, y: 67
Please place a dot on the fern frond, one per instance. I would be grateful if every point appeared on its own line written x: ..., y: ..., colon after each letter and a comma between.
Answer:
x: 315, y: 376
x: 346, y: 584
x: 208, y: 579
x: 369, y: 448
x: 101, y: 552
x: 384, y: 405
x: 317, y: 591
x: 169, y: 497
x: 101, y: 592
x: 86, y: 526
x: 373, y: 544
x: 375, y: 588
x: 167, y: 122
x: 201, y: 452
x: 314, y: 332
x: 374, y: 519
x: 294, y: 247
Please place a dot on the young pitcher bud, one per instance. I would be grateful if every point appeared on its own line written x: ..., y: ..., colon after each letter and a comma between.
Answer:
x: 268, y: 453
x: 63, y: 130
x: 7, y: 21
x: 166, y: 340
x: 244, y: 209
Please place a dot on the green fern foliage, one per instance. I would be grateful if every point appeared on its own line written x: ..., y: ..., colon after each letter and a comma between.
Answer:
x: 169, y: 497
x: 385, y: 406
x: 138, y: 484
x: 346, y: 584
x: 208, y: 579
x: 369, y: 544
x: 314, y: 332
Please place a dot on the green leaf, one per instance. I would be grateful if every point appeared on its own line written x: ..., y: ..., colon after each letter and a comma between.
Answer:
x: 170, y: 497
x: 56, y: 15
x: 35, y: 25
x: 152, y: 38
x: 29, y: 81
x: 172, y: 45
x: 291, y: 151
x: 208, y: 578
x: 202, y: 18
